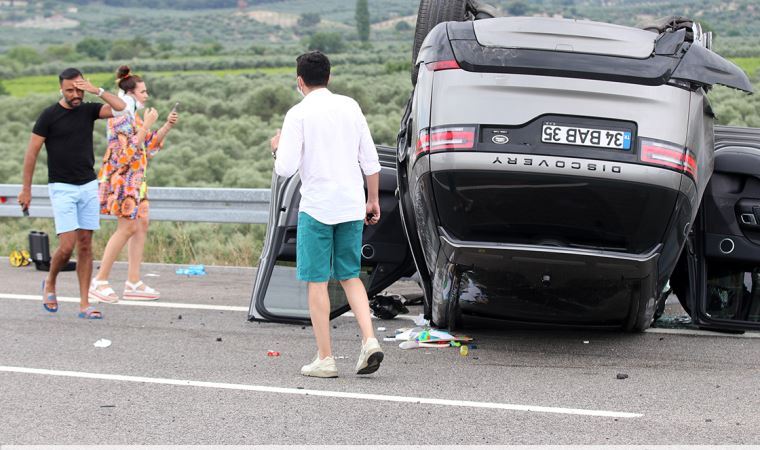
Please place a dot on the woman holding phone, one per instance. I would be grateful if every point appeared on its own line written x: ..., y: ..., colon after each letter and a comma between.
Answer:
x: 123, y: 186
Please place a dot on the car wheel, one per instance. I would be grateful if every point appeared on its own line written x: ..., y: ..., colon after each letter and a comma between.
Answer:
x: 658, y: 312
x: 645, y: 315
x: 451, y: 315
x: 430, y: 14
x: 454, y: 316
x: 679, y: 281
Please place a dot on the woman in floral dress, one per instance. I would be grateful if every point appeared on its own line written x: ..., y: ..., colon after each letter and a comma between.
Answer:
x: 123, y: 187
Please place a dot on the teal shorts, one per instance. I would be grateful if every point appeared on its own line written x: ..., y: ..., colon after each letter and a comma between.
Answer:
x: 324, y: 251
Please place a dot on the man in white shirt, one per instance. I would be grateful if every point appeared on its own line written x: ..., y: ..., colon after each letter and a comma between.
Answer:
x: 326, y: 139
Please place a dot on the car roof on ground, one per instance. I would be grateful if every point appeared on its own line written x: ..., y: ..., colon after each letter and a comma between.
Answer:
x: 579, y: 36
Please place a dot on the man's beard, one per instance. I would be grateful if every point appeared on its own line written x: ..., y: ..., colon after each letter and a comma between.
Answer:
x: 69, y: 102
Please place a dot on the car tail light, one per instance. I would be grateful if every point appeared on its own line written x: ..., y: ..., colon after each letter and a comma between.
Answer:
x: 669, y: 155
x: 446, y: 138
x: 442, y: 65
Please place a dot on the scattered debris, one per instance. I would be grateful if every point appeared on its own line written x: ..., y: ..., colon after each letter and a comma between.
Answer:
x: 464, y: 350
x: 387, y: 306
x: 407, y: 345
x: 389, y: 339
x: 179, y: 317
x: 420, y: 321
x: 414, y: 300
x: 152, y: 275
x: 622, y: 376
x: 273, y: 353
x: 682, y: 321
x: 218, y: 339
x: 381, y: 328
x: 102, y: 343
x: 19, y: 258
x: 108, y: 406
x: 198, y: 270
x: 428, y: 337
x: 585, y: 342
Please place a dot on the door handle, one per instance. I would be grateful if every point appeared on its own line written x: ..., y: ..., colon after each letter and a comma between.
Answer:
x: 748, y: 219
x: 748, y: 213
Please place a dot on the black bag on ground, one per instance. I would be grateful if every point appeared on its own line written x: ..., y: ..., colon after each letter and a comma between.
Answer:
x: 39, y: 248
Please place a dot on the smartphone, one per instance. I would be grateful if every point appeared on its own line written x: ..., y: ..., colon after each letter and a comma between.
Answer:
x: 174, y: 109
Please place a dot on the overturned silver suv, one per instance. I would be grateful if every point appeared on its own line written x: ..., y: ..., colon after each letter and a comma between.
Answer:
x: 552, y: 171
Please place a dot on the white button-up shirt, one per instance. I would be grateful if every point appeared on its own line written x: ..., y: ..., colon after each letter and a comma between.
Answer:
x: 326, y: 138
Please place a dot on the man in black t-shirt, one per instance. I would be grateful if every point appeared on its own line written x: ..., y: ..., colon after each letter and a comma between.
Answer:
x: 66, y: 130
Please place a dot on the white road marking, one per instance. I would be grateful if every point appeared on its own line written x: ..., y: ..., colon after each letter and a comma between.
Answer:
x: 320, y: 393
x: 38, y: 298
x: 690, y: 332
x: 155, y: 304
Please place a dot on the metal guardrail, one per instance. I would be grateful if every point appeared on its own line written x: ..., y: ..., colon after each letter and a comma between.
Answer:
x: 217, y: 205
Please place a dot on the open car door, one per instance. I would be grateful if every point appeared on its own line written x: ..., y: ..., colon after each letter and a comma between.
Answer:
x: 724, y: 264
x: 279, y: 297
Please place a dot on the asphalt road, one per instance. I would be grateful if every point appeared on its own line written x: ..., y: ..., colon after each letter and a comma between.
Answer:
x: 205, y: 378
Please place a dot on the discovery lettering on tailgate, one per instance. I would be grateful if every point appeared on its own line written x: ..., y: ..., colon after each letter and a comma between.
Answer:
x: 559, y: 164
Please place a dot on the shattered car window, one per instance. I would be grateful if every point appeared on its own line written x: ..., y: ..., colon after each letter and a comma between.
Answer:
x: 733, y: 292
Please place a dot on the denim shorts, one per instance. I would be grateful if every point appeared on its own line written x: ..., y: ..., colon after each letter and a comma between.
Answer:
x: 324, y: 251
x: 75, y: 207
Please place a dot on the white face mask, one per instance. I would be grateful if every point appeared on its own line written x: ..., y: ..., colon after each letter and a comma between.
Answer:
x: 131, y: 100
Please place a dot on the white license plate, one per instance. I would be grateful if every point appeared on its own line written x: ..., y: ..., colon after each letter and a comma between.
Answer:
x: 587, y: 137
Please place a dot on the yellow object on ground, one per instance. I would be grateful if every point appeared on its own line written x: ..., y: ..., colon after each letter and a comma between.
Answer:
x: 20, y: 258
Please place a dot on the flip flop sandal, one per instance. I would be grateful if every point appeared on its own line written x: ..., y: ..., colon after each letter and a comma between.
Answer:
x: 50, y: 301
x: 90, y: 313
x: 132, y: 292
x: 106, y: 295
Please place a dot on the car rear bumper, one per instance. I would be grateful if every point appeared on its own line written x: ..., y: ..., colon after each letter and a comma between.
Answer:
x: 556, y: 201
x: 544, y: 284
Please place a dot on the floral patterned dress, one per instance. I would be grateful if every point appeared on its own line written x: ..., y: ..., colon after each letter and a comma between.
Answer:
x: 123, y: 187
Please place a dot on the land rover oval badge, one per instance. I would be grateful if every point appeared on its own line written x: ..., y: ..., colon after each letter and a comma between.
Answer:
x: 500, y: 139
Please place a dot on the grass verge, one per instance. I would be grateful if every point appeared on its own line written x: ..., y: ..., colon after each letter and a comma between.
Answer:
x: 168, y: 242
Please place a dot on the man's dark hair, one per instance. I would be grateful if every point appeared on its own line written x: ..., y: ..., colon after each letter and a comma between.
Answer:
x: 69, y: 74
x: 313, y: 68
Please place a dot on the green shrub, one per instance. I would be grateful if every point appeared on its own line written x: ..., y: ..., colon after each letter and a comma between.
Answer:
x: 326, y: 42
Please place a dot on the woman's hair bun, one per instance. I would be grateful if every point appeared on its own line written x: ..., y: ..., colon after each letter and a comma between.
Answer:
x: 123, y: 72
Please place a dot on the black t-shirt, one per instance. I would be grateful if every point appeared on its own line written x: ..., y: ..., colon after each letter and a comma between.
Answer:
x: 68, y: 140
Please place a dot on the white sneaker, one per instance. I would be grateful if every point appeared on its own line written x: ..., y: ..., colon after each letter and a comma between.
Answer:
x: 369, y: 358
x: 321, y: 368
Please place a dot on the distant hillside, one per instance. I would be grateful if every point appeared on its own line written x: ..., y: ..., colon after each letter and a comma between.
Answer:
x: 175, y: 4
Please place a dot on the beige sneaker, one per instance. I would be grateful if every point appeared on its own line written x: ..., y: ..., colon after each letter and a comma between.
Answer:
x: 321, y: 368
x: 370, y: 357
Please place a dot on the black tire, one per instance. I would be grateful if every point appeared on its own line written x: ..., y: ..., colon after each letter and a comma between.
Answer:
x: 451, y: 317
x: 645, y: 316
x: 454, y: 319
x: 430, y: 14
x: 679, y: 281
x: 660, y: 309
